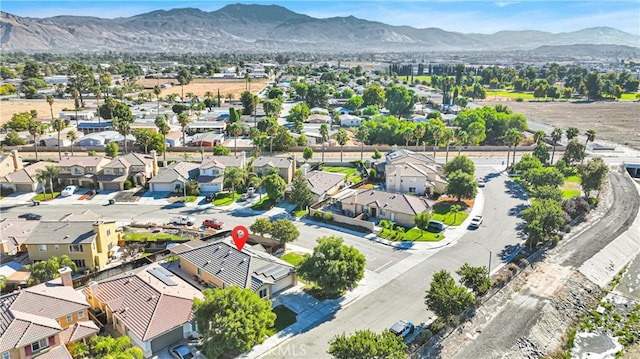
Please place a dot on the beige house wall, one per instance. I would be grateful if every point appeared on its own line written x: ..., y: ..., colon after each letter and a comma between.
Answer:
x: 192, y: 270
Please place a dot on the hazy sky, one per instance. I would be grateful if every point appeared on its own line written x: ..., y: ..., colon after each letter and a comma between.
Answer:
x: 452, y: 15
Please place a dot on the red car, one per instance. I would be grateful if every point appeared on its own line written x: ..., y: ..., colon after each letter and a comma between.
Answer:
x: 213, y: 223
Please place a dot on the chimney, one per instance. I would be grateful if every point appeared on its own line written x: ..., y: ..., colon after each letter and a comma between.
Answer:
x: 244, y: 158
x: 154, y: 155
x: 17, y: 161
x: 65, y: 275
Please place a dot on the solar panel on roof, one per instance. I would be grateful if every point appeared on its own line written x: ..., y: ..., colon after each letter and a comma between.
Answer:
x: 162, y: 277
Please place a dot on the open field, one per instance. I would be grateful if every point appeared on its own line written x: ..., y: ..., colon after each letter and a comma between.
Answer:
x: 617, y: 121
x: 8, y: 108
x: 201, y: 86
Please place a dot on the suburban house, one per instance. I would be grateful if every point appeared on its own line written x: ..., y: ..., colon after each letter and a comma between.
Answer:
x: 318, y: 118
x: 98, y: 139
x: 10, y: 163
x: 322, y: 184
x: 285, y: 166
x: 135, y: 167
x: 416, y: 178
x: 92, y: 127
x: 347, y: 120
x: 396, y: 207
x: 88, y: 244
x: 407, y: 156
x: 220, y: 265
x: 13, y: 233
x: 211, y: 171
x: 207, y: 139
x: 207, y: 126
x: 24, y: 179
x: 174, y: 139
x: 67, y: 116
x: 173, y: 177
x: 52, y: 140
x: 81, y: 171
x: 151, y: 305
x: 39, y: 321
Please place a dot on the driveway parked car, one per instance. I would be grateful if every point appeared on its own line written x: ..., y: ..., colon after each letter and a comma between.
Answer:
x: 181, y: 352
x: 481, y: 183
x: 213, y: 223
x: 475, y: 222
x: 68, y: 191
x: 402, y: 328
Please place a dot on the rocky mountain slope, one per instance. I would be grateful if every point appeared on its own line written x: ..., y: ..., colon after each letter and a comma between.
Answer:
x: 258, y: 28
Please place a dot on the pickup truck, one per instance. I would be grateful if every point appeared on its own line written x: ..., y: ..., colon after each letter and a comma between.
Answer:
x: 189, y: 221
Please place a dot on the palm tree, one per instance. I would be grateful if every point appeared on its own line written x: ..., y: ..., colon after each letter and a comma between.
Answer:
x: 229, y: 96
x: 556, y: 136
x: 511, y: 138
x: 36, y: 130
x: 184, y: 121
x: 362, y: 135
x: 120, y: 347
x: 418, y: 133
x: 72, y: 136
x: 462, y: 139
x: 50, y: 100
x: 123, y: 126
x: 572, y: 132
x: 41, y: 177
x: 209, y: 95
x: 234, y: 177
x: 437, y: 135
x: 342, y: 138
x: 324, y: 132
x: 76, y: 95
x: 112, y: 104
x: 235, y: 130
x: 47, y: 175
x: 157, y: 91
x: 591, y: 136
x: 408, y: 136
x: 448, y: 135
x: 58, y: 125
x: 256, y: 182
x: 539, y: 136
x: 163, y: 129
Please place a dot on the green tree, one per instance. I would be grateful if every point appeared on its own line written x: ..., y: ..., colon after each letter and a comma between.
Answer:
x: 475, y: 278
x: 80, y: 78
x: 58, y: 125
x: 422, y: 221
x: 275, y: 186
x: 123, y: 126
x: 235, y: 130
x: 543, y: 220
x: 80, y: 350
x: 547, y: 192
x: 111, y: 149
x: 593, y: 175
x: 163, y: 129
x: 50, y: 100
x: 399, y: 101
x: 143, y: 138
x: 342, y: 137
x: 300, y: 191
x: 284, y: 231
x: 365, y: 344
x: 115, y: 348
x: 47, y: 175
x: 234, y: 177
x: 574, y: 152
x: 572, y: 132
x: 526, y: 163
x: 307, y: 153
x: 354, y: 103
x: 460, y: 163
x: 445, y: 297
x: 333, y: 266
x: 184, y: 120
x: 362, y: 135
x: 221, y: 151
x: 541, y: 152
x: 261, y: 226
x: 72, y: 136
x: 545, y: 176
x: 19, y: 121
x: 374, y: 95
x: 299, y: 113
x: 539, y: 136
x: 47, y: 270
x: 556, y: 136
x: 376, y: 154
x: 231, y: 320
x: 184, y: 77
x: 318, y: 96
x: 461, y: 185
x: 591, y: 136
x: 247, y: 102
x: 324, y: 132
x: 14, y: 139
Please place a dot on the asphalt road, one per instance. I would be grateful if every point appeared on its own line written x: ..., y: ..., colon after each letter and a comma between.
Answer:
x: 402, y: 298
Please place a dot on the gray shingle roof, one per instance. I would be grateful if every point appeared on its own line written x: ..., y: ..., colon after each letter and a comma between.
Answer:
x: 279, y: 162
x: 176, y: 171
x: 397, y: 202
x: 407, y: 156
x: 54, y: 232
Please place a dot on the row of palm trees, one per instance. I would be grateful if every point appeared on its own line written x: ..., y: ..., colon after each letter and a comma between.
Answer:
x: 235, y: 177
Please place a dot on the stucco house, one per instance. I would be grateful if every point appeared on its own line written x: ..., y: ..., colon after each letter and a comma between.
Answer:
x: 135, y: 167
x: 220, y: 264
x: 13, y: 233
x: 348, y: 120
x: 10, y: 163
x: 322, y: 184
x: 173, y: 177
x: 151, y: 305
x: 24, y: 179
x: 81, y: 171
x: 285, y: 166
x: 396, y: 207
x: 207, y: 139
x: 416, y: 178
x: 174, y: 139
x: 211, y: 171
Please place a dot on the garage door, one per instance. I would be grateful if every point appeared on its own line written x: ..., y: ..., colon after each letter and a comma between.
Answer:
x: 213, y: 188
x: 24, y: 187
x: 282, y: 284
x: 166, y: 339
x: 161, y: 187
x: 111, y: 185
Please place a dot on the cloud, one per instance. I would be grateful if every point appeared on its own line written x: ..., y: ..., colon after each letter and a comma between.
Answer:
x: 504, y: 3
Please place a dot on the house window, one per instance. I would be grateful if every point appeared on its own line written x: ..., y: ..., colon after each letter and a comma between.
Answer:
x: 263, y: 292
x: 383, y: 212
x: 199, y: 271
x: 39, y: 345
x: 56, y: 247
x: 42, y: 248
x: 412, y: 189
x: 81, y: 314
x: 77, y: 171
x: 79, y: 263
x: 109, y: 232
x: 76, y: 248
x: 69, y: 318
x: 6, y: 355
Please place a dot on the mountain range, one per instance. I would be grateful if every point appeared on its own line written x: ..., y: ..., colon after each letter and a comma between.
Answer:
x: 263, y: 28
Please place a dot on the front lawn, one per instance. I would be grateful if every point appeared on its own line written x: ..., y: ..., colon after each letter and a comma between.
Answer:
x: 442, y: 212
x: 284, y: 318
x: 41, y: 197
x: 190, y: 198
x: 412, y: 235
x: 571, y: 187
x: 150, y: 237
x: 299, y: 213
x: 510, y: 94
x: 263, y: 204
x: 292, y: 258
x: 225, y: 199
x: 351, y: 173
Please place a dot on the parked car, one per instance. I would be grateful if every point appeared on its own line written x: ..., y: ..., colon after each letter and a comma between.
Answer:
x: 251, y: 191
x: 213, y: 223
x: 244, y: 197
x: 435, y: 226
x: 181, y: 352
x: 30, y: 216
x: 402, y: 328
x: 475, y: 222
x: 68, y: 191
x: 481, y: 183
x: 189, y: 221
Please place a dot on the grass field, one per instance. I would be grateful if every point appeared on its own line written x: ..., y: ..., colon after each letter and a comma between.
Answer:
x: 509, y: 94
x: 442, y: 212
x: 292, y: 258
x: 351, y: 173
x: 415, y: 235
x: 422, y: 78
x: 571, y: 187
x: 150, y: 237
x: 225, y: 199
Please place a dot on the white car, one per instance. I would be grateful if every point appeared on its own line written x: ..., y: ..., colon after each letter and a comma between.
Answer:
x: 475, y: 222
x: 481, y: 183
x: 68, y: 191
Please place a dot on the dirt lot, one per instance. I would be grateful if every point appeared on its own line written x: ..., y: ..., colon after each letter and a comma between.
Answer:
x: 201, y: 86
x: 8, y: 108
x: 613, y: 121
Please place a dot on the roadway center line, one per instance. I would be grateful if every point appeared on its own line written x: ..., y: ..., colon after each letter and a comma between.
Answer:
x: 382, y: 266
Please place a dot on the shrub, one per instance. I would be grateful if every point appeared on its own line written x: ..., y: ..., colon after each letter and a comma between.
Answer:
x: 523, y: 262
x: 513, y: 268
x: 519, y: 99
x: 328, y: 216
x: 376, y: 154
x: 92, y: 153
x: 317, y: 215
x: 127, y: 184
